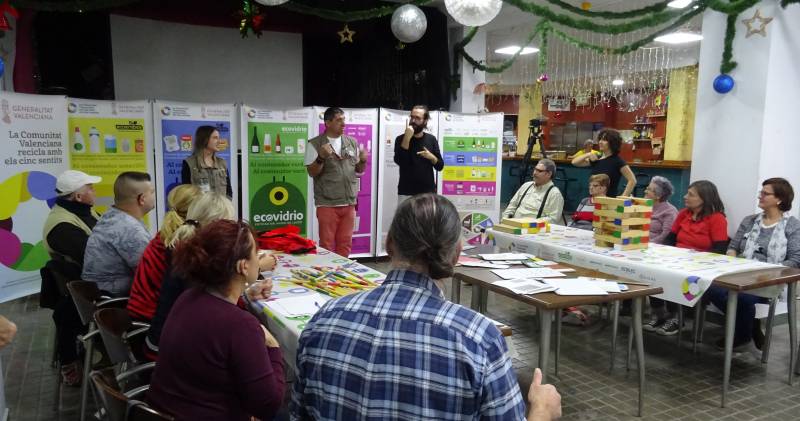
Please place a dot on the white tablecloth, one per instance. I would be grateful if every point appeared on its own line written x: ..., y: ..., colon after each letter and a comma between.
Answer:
x: 683, y: 274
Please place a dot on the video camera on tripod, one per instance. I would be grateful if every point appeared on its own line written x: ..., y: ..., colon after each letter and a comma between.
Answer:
x: 535, y: 126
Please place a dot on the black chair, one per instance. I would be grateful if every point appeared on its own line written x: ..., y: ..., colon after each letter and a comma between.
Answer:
x: 642, y: 181
x: 122, y: 337
x: 561, y: 177
x: 88, y: 299
x: 140, y: 411
x: 112, y: 401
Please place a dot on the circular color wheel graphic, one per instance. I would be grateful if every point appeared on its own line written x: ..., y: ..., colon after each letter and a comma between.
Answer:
x: 472, y: 224
x: 690, y: 287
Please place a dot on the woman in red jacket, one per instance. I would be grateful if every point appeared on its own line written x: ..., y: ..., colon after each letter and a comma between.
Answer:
x: 701, y: 226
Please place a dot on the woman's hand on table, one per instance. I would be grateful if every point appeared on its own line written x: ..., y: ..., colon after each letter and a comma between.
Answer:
x: 267, y: 261
x: 269, y: 340
x: 260, y: 290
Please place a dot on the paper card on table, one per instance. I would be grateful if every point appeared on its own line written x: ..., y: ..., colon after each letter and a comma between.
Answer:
x: 573, y: 286
x: 302, y: 305
x: 527, y: 273
x: 478, y: 263
x: 525, y: 286
x: 504, y: 256
x: 608, y: 286
x: 545, y: 262
x: 565, y: 270
x: 467, y: 247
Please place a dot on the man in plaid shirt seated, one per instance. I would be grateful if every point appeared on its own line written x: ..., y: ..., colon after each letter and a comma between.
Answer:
x: 402, y: 350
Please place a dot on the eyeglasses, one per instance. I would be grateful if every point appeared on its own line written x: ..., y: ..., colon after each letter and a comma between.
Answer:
x: 242, y: 227
x: 538, y: 170
x: 763, y: 193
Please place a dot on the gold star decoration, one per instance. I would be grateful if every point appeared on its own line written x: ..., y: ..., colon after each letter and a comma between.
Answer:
x: 762, y: 25
x: 346, y: 35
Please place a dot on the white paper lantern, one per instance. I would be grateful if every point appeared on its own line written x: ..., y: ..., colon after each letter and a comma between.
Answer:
x: 473, y: 12
x: 409, y: 23
x: 271, y: 2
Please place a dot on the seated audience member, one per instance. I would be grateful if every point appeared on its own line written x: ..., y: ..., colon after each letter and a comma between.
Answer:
x: 588, y: 147
x: 149, y: 275
x: 65, y: 233
x: 664, y: 213
x: 582, y: 218
x: 771, y: 236
x: 539, y: 198
x: 402, y: 350
x: 700, y: 226
x: 120, y: 237
x: 217, y: 362
x: 206, y: 209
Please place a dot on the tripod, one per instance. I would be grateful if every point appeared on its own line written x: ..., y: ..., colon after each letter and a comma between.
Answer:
x: 535, y: 135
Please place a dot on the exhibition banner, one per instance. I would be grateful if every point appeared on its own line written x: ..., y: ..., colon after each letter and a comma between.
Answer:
x: 393, y: 123
x: 275, y: 185
x: 175, y: 127
x: 472, y: 161
x: 107, y: 138
x: 34, y: 135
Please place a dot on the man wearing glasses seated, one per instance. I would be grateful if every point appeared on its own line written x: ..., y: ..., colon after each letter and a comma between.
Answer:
x: 539, y: 198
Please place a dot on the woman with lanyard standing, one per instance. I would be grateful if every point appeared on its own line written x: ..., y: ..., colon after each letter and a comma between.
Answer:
x: 610, y: 164
x: 772, y: 236
x: 204, y: 168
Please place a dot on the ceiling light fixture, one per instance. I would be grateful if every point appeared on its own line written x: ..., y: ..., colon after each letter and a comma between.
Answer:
x: 618, y: 82
x: 679, y: 4
x: 679, y: 38
x: 511, y: 50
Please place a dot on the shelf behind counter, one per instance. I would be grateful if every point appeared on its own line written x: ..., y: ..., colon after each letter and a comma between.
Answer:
x: 677, y: 172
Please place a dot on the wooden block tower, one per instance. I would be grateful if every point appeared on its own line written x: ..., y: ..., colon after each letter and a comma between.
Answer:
x: 622, y: 222
x: 523, y: 225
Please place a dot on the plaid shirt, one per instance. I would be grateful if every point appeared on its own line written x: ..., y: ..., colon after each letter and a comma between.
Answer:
x: 403, y: 351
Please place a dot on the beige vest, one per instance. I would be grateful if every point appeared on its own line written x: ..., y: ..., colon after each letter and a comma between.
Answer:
x: 59, y: 215
x: 337, y: 184
x: 216, y: 177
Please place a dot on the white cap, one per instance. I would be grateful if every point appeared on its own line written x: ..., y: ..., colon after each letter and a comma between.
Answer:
x: 72, y: 180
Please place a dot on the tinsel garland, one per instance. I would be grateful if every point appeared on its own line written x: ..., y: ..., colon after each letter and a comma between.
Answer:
x: 612, y: 15
x: 348, y: 16
x: 459, y: 48
x: 727, y: 53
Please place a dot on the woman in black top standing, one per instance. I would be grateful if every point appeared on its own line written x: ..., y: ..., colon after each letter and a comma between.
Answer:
x: 610, y: 164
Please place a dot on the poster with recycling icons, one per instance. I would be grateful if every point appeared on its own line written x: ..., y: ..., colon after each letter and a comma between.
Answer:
x: 472, y: 156
x: 107, y: 138
x: 275, y: 185
x: 175, y: 124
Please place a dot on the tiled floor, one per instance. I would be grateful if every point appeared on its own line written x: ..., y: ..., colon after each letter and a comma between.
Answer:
x: 680, y: 384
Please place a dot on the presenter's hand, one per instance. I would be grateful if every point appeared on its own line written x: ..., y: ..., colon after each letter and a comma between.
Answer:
x: 425, y: 153
x: 362, y: 156
x: 409, y: 131
x: 326, y: 151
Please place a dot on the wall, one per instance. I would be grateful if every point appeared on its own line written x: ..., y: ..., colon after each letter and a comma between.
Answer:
x: 155, y: 59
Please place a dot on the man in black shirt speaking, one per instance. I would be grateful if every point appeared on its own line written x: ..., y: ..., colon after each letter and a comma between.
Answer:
x: 417, y: 154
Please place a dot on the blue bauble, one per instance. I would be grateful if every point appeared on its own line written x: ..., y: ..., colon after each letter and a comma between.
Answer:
x: 723, y: 84
x: 2, y: 67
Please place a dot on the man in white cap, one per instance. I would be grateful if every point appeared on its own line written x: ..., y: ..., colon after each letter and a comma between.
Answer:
x: 65, y: 234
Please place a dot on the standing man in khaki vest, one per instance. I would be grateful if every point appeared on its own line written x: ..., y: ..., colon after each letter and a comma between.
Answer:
x: 335, y: 163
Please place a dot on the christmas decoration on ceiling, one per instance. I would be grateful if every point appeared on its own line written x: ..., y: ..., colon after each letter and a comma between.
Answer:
x: 409, y: 23
x: 473, y: 12
x: 6, y: 8
x: 346, y: 35
x: 762, y: 24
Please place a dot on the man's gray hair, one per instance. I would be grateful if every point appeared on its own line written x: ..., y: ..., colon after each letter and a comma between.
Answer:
x: 663, y: 188
x: 549, y: 166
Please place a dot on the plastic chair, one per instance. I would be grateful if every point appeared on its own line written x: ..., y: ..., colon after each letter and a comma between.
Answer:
x: 561, y: 177
x: 140, y: 411
x: 88, y: 298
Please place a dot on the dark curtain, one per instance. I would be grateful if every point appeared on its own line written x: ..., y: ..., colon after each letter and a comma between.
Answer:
x: 373, y: 71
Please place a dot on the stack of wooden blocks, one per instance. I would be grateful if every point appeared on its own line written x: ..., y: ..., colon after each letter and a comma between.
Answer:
x: 522, y: 225
x: 622, y: 222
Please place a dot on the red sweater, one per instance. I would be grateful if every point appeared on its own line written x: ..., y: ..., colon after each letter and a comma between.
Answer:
x: 213, y: 363
x: 147, y: 281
